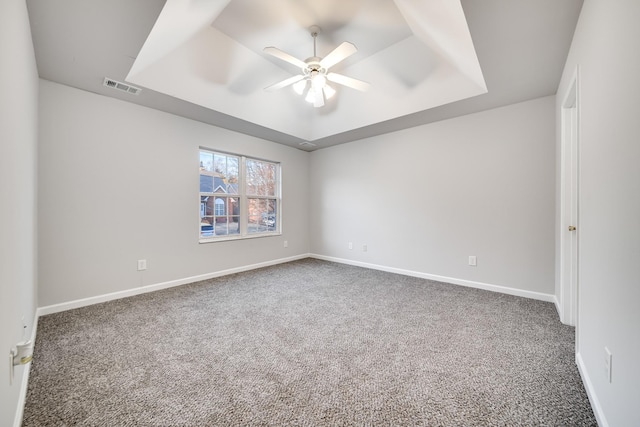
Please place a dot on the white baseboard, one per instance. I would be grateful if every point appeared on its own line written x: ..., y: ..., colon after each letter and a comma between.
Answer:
x: 69, y: 305
x: 55, y: 308
x: 557, y: 304
x: 468, y: 283
x: 22, y: 396
x: 593, y: 399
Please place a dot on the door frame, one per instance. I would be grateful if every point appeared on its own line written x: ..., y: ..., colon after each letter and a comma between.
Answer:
x: 569, y: 208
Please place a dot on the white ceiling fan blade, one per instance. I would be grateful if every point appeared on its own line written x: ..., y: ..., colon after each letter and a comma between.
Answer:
x: 274, y: 51
x: 343, y: 51
x: 284, y: 83
x: 348, y: 81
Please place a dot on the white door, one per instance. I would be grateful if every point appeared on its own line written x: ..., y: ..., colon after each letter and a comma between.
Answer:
x: 569, y: 230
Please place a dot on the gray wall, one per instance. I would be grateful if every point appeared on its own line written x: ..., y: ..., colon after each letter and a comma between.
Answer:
x: 119, y: 182
x: 18, y: 142
x: 605, y: 48
x: 425, y: 199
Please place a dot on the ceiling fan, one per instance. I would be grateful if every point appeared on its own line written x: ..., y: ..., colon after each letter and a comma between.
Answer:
x: 312, y: 83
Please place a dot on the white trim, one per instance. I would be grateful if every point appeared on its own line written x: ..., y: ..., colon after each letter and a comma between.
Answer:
x: 55, y: 308
x: 22, y: 396
x: 462, y: 282
x: 230, y: 237
x: 557, y: 304
x: 69, y: 305
x: 591, y: 394
x: 569, y: 171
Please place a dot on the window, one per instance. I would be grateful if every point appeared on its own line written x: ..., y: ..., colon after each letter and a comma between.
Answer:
x: 239, y: 196
x: 219, y: 211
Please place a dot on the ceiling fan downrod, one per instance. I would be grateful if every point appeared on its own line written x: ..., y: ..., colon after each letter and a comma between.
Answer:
x: 315, y: 30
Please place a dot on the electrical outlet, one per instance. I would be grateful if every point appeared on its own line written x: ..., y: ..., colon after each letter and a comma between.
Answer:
x: 350, y: 245
x: 608, y: 359
x: 473, y: 261
x: 364, y: 248
x: 142, y: 264
x: 286, y: 244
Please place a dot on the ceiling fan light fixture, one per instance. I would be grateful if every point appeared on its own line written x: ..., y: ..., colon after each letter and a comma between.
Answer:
x: 311, y: 96
x: 328, y: 91
x: 300, y: 86
x: 318, y: 80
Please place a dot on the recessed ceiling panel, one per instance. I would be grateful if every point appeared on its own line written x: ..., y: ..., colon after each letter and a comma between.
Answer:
x: 416, y: 55
x: 372, y: 25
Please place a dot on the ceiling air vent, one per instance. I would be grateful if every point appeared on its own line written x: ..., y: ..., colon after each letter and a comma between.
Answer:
x: 121, y: 86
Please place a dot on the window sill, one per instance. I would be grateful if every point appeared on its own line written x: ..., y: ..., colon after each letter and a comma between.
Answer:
x: 238, y: 237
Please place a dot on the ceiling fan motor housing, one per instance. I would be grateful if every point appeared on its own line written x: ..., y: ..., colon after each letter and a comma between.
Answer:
x: 313, y: 64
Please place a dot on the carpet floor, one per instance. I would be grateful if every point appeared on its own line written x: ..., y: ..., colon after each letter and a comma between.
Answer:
x: 308, y: 343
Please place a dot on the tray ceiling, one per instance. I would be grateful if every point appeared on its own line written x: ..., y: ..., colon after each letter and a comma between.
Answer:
x: 425, y: 61
x: 416, y: 55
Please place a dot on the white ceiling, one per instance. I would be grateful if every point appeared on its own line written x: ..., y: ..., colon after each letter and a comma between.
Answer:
x: 425, y: 60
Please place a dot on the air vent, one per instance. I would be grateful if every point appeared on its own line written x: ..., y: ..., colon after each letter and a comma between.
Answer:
x: 121, y: 86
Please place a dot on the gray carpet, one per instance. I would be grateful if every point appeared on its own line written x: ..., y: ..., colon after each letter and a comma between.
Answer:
x: 308, y: 343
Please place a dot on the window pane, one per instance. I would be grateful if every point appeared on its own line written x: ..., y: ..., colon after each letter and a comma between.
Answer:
x: 206, y: 226
x: 261, y: 178
x: 232, y: 175
x: 206, y: 161
x: 225, y: 226
x: 271, y: 206
x: 206, y: 216
x: 206, y: 205
x: 206, y: 182
x: 262, y: 215
x: 270, y: 220
x: 221, y: 227
x: 220, y: 164
x: 234, y: 208
x: 234, y: 225
x: 254, y: 214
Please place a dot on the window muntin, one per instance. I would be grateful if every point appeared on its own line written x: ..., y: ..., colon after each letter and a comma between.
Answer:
x: 230, y: 183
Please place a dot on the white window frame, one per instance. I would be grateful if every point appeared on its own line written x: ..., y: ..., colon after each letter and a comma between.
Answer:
x: 243, y: 199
